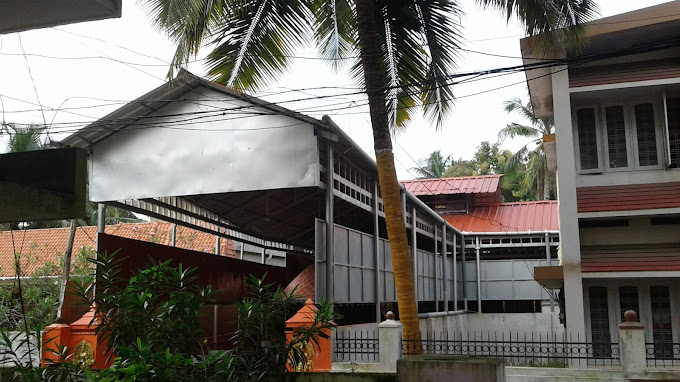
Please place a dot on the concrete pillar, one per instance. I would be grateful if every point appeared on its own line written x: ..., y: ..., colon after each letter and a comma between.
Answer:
x: 632, y: 346
x: 570, y: 249
x: 389, y: 337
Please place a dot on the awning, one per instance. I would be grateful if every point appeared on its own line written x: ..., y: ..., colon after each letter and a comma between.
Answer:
x: 551, y: 277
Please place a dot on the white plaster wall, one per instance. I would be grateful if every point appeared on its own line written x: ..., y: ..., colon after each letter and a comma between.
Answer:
x: 639, y: 231
x: 494, y: 323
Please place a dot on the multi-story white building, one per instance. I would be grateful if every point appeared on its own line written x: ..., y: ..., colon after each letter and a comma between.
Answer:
x: 616, y: 106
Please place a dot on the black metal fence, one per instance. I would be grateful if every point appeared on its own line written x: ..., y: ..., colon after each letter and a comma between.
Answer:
x: 356, y: 346
x: 521, y: 349
x: 663, y: 354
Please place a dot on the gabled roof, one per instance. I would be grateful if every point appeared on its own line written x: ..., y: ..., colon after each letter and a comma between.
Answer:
x: 481, y: 184
x: 42, y: 246
x: 508, y: 217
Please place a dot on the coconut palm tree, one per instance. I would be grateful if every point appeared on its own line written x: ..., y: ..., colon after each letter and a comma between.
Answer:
x: 406, y: 52
x: 537, y: 178
x: 433, y: 166
x: 23, y: 139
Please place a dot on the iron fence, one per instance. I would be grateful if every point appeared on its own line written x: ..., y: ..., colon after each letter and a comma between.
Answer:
x: 520, y: 349
x: 663, y: 354
x: 356, y: 346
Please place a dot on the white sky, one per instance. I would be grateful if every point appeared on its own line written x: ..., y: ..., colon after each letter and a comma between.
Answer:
x: 111, y: 62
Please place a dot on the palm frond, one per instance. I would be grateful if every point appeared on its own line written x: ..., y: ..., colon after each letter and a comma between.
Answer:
x: 517, y: 160
x: 556, y: 24
x: 22, y: 139
x: 513, y: 130
x: 187, y: 23
x: 334, y: 29
x: 256, y: 42
x: 442, y: 38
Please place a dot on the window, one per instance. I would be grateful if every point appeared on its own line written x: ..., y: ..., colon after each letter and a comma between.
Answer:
x: 628, y: 134
x: 662, y: 330
x: 587, y: 138
x: 673, y: 121
x: 599, y: 321
x: 646, y: 135
x: 616, y: 136
x: 628, y: 300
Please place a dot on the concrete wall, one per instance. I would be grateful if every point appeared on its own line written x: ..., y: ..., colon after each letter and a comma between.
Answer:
x: 495, y: 323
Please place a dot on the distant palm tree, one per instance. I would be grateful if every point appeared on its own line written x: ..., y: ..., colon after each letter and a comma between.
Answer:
x: 433, y: 166
x: 22, y: 139
x: 537, y: 178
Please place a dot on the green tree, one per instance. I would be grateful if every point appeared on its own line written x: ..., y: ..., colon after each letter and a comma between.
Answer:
x: 407, y: 49
x: 433, y: 166
x: 22, y: 139
x: 537, y: 179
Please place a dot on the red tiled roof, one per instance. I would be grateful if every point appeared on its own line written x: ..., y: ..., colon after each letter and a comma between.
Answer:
x: 304, y: 282
x: 459, y: 185
x: 42, y: 246
x: 508, y: 217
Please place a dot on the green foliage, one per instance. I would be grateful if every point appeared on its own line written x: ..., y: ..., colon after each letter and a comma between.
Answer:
x: 40, y: 290
x: 433, y: 166
x: 151, y: 322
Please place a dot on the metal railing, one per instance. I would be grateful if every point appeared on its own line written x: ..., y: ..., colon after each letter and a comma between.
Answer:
x: 663, y: 354
x: 520, y: 349
x: 356, y: 346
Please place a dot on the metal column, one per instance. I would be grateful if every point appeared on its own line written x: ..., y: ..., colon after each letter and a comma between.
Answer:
x: 376, y: 248
x: 436, y: 270
x: 101, y: 228
x: 414, y: 252
x: 173, y: 235
x: 217, y: 245
x: 548, y: 257
x: 329, y: 225
x: 462, y: 272
x: 454, y: 272
x: 479, y: 276
x: 445, y: 267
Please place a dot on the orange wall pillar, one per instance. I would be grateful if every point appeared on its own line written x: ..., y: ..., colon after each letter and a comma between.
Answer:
x: 319, y: 358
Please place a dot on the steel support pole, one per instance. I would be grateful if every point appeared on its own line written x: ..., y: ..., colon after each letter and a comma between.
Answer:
x: 215, y: 316
x: 101, y: 228
x: 479, y: 276
x: 548, y: 256
x: 173, y: 235
x: 454, y: 271
x: 445, y: 266
x: 329, y: 225
x: 414, y: 252
x: 217, y: 245
x: 67, y: 266
x: 463, y: 273
x: 376, y: 248
x: 436, y: 271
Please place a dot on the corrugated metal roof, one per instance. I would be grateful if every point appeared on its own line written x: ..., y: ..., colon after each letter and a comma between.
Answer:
x: 508, y: 217
x: 459, y: 185
x: 41, y: 246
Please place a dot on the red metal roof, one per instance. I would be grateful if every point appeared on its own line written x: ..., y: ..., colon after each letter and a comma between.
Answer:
x: 459, y: 185
x: 508, y: 217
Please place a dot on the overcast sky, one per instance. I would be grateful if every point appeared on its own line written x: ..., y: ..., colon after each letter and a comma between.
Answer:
x: 89, y: 69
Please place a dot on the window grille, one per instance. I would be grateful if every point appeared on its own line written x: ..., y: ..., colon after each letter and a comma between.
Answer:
x: 628, y: 300
x: 662, y: 329
x: 599, y: 320
x: 616, y: 137
x: 646, y: 134
x: 587, y: 138
x: 673, y: 116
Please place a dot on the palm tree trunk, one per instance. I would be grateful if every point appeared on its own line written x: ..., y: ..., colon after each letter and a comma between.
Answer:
x: 387, y: 175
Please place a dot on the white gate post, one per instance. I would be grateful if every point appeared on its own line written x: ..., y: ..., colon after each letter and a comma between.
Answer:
x: 389, y: 337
